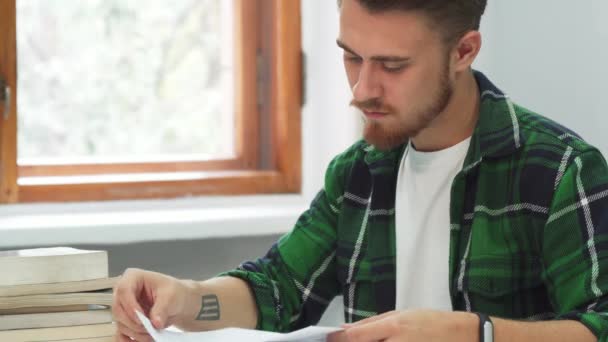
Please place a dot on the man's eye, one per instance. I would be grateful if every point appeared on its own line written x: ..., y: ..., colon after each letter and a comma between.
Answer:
x: 393, y: 67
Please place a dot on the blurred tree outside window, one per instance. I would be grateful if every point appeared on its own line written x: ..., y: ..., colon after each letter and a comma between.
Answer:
x: 118, y: 80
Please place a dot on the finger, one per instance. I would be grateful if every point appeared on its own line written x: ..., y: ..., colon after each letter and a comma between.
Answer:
x: 125, y: 297
x: 139, y: 337
x: 369, y: 319
x: 339, y: 336
x: 121, y: 317
x: 377, y: 330
x: 397, y: 339
x: 130, y: 305
x: 160, y: 310
x: 119, y: 337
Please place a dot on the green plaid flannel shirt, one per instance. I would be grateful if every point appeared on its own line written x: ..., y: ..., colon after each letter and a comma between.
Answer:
x: 528, y: 235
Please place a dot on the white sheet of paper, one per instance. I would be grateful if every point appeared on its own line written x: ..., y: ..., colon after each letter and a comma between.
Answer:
x: 312, y: 333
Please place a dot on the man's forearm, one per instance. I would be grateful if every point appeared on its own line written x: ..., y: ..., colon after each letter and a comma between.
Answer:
x: 219, y: 303
x: 458, y: 326
x: 554, y: 331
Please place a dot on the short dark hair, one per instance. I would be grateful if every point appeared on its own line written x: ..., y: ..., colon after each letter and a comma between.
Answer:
x: 453, y: 17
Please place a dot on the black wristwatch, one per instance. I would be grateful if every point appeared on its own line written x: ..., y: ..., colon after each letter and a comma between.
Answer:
x: 486, y: 328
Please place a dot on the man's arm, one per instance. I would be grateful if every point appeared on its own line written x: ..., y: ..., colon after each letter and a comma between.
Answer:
x: 554, y: 331
x: 574, y: 255
x: 190, y: 305
x: 296, y: 279
x: 436, y: 326
x: 218, y: 303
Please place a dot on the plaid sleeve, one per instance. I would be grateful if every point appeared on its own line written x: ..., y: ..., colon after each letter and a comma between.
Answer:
x: 575, y: 243
x: 296, y: 280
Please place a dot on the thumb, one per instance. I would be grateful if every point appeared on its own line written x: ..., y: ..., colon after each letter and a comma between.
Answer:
x: 159, y: 312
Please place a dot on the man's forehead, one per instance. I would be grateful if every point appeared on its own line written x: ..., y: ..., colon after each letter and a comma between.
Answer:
x: 385, y: 33
x: 371, y: 44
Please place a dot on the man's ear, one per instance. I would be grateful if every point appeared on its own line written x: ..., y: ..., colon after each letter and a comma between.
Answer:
x: 465, y: 51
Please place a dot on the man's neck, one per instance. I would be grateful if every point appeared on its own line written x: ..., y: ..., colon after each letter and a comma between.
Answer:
x: 457, y: 122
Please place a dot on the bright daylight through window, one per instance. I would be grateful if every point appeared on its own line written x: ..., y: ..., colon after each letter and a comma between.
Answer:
x: 124, y: 81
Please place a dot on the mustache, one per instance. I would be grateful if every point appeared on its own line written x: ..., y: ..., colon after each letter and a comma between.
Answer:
x: 371, y: 105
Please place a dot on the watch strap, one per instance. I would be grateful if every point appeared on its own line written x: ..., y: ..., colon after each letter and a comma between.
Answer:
x: 485, y: 335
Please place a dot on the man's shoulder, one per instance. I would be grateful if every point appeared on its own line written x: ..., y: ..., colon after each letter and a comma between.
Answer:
x: 543, y: 133
x: 340, y: 169
x: 354, y: 153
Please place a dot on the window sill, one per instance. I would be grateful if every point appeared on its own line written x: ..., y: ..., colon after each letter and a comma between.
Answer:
x: 154, y: 185
x: 183, y: 219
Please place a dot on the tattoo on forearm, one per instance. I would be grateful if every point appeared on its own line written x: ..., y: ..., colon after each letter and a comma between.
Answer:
x: 210, y: 310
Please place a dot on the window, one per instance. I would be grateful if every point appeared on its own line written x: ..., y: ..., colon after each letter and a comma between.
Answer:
x: 116, y: 100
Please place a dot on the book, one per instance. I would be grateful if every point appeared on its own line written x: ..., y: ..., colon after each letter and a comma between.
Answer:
x: 94, y: 332
x: 65, y: 287
x: 61, y: 299
x: 45, y: 309
x: 51, y: 265
x: 90, y: 339
x: 54, y: 319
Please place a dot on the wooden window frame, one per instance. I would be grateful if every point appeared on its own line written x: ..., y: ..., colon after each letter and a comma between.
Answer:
x: 269, y: 68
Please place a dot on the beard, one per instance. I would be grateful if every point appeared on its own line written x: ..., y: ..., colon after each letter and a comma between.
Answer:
x: 388, y: 135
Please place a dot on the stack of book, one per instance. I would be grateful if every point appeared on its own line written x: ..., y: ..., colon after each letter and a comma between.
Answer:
x: 55, y: 294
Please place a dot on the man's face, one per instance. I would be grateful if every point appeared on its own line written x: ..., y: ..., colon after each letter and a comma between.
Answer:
x: 398, y: 71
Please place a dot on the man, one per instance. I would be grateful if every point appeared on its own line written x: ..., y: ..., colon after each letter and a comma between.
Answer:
x: 458, y: 205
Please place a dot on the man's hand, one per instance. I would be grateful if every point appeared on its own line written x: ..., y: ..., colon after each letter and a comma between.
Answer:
x: 416, y: 325
x: 160, y: 297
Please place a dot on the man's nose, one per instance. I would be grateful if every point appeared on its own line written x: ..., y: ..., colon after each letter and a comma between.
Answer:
x: 368, y: 86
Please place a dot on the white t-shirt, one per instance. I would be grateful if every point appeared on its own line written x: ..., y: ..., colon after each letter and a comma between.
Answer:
x: 422, y: 219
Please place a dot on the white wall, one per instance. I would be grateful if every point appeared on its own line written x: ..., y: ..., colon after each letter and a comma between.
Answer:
x: 326, y: 115
x: 550, y: 56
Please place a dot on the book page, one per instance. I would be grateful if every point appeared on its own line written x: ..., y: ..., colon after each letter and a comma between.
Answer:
x: 312, y: 333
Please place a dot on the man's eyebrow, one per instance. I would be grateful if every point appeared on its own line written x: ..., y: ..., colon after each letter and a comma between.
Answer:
x: 346, y: 48
x: 374, y: 58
